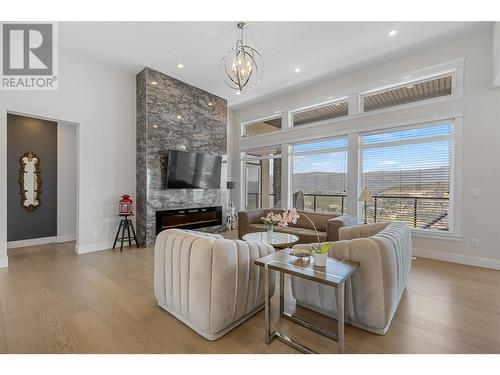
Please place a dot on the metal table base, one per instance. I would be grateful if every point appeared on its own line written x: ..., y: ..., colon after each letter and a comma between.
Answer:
x: 339, y: 337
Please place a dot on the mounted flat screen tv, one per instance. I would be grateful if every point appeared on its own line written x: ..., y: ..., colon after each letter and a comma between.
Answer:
x: 192, y: 170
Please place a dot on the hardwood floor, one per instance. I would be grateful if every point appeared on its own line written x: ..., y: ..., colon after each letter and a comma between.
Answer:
x: 54, y: 301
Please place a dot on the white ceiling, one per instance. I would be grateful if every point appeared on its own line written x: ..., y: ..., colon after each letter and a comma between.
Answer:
x: 317, y: 48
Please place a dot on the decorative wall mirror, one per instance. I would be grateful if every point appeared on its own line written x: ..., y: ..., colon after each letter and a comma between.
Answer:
x: 29, y: 181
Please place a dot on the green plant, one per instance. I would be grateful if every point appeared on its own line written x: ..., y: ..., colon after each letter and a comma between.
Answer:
x: 323, y: 248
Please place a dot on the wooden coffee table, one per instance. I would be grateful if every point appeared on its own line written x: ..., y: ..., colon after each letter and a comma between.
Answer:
x: 335, y: 274
x: 276, y: 239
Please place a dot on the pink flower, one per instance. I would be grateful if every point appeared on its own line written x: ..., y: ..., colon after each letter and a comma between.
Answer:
x: 288, y: 216
x: 283, y: 223
x: 293, y: 215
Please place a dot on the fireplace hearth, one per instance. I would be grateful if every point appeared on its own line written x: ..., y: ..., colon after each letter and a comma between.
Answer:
x: 188, y: 218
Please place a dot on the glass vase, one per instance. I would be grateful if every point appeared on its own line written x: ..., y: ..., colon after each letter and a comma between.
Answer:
x: 270, y: 229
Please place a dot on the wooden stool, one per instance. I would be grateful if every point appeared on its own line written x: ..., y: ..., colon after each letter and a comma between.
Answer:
x: 125, y: 224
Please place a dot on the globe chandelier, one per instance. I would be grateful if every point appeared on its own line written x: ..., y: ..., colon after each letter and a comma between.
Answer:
x: 242, y: 65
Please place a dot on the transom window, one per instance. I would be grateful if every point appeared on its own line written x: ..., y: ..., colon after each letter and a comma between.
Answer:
x: 262, y: 127
x: 408, y: 93
x: 320, y: 113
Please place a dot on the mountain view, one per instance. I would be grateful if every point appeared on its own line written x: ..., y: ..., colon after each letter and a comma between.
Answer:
x: 419, y: 197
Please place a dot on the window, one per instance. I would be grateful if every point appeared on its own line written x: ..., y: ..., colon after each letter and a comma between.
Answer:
x: 408, y: 172
x: 408, y: 93
x: 262, y: 127
x: 319, y: 175
x: 262, y: 172
x: 320, y: 113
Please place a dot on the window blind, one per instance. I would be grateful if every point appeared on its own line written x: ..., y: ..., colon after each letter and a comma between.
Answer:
x: 408, y: 171
x: 319, y: 171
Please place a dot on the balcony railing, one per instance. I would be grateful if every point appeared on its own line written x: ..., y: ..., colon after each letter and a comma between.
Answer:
x: 327, y: 203
x: 418, y: 212
x: 333, y: 203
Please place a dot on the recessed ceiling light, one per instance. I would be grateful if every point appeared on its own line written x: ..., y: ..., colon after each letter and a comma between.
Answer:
x: 238, y: 92
x: 392, y: 33
x: 154, y: 83
x: 155, y: 126
x: 180, y: 66
x: 179, y: 117
x: 296, y: 70
x: 210, y: 104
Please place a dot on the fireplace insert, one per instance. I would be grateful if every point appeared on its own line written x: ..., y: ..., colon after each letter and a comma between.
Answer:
x: 188, y: 218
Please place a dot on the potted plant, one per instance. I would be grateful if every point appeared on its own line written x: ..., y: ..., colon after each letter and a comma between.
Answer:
x: 320, y: 254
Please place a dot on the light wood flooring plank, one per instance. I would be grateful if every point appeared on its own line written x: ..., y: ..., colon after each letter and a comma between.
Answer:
x: 54, y: 301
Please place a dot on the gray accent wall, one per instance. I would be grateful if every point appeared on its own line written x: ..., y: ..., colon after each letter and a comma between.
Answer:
x: 173, y: 115
x: 39, y: 136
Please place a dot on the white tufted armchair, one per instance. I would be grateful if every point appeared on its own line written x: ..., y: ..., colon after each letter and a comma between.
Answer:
x: 384, y: 252
x: 209, y: 283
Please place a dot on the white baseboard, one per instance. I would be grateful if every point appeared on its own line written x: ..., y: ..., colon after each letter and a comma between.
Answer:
x: 84, y: 249
x: 31, y: 242
x: 4, y: 262
x: 41, y: 241
x: 458, y: 258
x: 65, y: 238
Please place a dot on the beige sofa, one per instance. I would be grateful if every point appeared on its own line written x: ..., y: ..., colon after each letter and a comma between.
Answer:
x: 327, y: 225
x: 384, y: 252
x: 209, y: 283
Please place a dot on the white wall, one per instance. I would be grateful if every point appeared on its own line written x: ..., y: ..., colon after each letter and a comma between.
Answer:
x: 480, y: 218
x: 232, y: 146
x: 67, y: 149
x: 101, y: 100
x: 495, y: 62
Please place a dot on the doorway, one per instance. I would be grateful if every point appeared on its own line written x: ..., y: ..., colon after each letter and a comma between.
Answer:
x: 41, y: 195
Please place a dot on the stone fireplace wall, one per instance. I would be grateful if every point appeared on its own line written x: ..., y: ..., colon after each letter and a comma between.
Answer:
x: 172, y: 115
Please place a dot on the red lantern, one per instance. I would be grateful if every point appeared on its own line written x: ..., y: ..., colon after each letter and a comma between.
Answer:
x: 125, y: 205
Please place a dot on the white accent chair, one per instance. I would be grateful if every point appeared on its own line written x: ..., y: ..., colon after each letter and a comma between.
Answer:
x: 207, y: 282
x: 384, y: 252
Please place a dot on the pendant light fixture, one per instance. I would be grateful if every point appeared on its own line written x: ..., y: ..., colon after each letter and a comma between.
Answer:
x: 242, y: 65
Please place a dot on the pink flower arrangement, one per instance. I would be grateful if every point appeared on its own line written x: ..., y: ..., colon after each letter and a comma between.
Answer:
x: 282, y: 220
x: 291, y: 216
